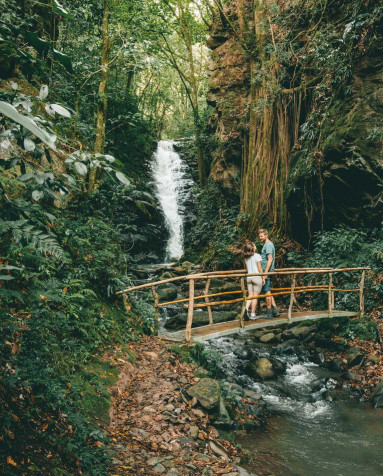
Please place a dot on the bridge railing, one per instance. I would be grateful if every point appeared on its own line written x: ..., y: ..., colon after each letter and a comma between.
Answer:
x: 292, y: 290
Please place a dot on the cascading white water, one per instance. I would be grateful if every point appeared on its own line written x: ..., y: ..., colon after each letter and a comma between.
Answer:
x: 171, y: 189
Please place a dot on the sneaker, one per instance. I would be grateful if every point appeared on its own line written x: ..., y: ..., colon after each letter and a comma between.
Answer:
x: 254, y: 317
x: 275, y: 311
x: 269, y: 314
x: 246, y: 315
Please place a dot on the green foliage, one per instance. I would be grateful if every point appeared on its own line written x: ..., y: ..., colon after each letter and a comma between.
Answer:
x: 345, y: 247
x: 214, y: 230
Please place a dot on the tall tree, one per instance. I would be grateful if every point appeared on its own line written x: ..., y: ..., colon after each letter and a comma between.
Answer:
x: 104, y: 65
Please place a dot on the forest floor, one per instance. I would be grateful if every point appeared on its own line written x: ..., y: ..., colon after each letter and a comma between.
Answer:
x: 368, y: 372
x: 154, y: 428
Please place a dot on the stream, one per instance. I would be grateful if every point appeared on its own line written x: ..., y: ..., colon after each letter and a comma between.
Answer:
x: 307, y: 433
x: 314, y: 426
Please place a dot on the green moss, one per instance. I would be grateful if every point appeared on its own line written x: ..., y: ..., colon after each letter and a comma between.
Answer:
x: 91, y: 384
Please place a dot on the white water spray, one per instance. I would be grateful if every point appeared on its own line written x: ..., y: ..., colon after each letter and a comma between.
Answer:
x: 171, y: 190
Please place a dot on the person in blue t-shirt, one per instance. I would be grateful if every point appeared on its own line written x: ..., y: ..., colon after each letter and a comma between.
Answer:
x: 268, y: 262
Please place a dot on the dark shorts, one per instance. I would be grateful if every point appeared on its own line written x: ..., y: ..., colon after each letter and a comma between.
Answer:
x: 266, y: 286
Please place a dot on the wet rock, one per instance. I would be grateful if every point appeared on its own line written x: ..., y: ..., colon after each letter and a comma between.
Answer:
x: 200, y: 318
x: 354, y: 357
x: 352, y: 376
x: 265, y: 368
x: 269, y: 337
x: 243, y: 472
x: 336, y: 364
x: 168, y: 292
x: 302, y: 331
x: 252, y: 394
x: 207, y: 392
x: 223, y: 421
x: 288, y: 347
x: 187, y: 266
x: 377, y: 396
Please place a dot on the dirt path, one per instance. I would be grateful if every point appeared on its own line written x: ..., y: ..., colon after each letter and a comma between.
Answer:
x: 155, y: 429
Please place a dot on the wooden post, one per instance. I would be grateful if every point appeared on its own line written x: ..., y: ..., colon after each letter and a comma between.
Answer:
x: 293, y: 281
x: 190, y: 311
x: 330, y: 293
x: 209, y: 311
x: 361, y: 294
x: 156, y: 300
x: 243, y: 288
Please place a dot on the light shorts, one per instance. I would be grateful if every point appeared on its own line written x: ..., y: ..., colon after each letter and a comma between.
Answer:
x: 254, y: 284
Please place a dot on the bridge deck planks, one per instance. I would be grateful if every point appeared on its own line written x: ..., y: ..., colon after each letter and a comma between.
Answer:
x: 232, y: 327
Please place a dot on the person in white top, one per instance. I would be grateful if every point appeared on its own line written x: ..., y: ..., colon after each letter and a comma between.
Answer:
x: 253, y: 262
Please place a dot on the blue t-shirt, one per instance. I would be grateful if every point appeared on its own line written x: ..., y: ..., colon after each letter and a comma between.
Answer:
x: 268, y: 249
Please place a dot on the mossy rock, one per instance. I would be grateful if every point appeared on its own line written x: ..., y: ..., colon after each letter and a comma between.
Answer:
x: 199, y: 319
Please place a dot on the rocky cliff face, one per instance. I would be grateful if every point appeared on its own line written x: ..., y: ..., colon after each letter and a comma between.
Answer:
x: 333, y: 73
x: 349, y: 187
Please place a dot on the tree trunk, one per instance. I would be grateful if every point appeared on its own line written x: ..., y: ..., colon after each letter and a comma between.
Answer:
x: 102, y: 99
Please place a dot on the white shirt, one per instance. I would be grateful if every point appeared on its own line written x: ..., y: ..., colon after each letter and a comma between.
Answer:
x: 251, y: 263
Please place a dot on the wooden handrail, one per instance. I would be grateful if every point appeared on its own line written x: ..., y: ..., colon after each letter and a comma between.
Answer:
x: 235, y: 274
x: 177, y: 301
x: 242, y: 274
x: 284, y: 293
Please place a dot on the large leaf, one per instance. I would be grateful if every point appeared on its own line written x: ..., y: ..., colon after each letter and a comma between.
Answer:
x: 11, y: 112
x: 122, y: 178
x: 81, y: 168
x: 58, y: 8
x: 44, y: 91
x: 37, y: 195
x: 64, y: 60
x: 60, y: 110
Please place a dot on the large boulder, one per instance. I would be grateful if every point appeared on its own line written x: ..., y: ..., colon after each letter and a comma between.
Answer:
x: 265, y: 368
x: 288, y: 347
x: 223, y: 421
x: 207, y: 391
x: 377, y: 396
x: 168, y: 292
x: 354, y: 357
x: 200, y: 318
x: 266, y: 338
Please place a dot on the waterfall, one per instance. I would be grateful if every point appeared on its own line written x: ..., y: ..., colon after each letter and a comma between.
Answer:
x: 171, y: 187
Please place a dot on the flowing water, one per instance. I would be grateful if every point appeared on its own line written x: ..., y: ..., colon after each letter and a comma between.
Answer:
x: 306, y: 433
x: 172, y: 185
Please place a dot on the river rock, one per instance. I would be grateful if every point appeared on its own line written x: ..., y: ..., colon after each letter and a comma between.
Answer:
x: 354, y: 357
x: 377, y: 396
x: 302, y: 331
x: 207, y: 392
x: 168, y: 292
x: 269, y: 337
x: 252, y: 394
x: 187, y: 266
x: 287, y: 347
x: 223, y: 421
x: 336, y: 364
x: 265, y: 368
x: 200, y: 318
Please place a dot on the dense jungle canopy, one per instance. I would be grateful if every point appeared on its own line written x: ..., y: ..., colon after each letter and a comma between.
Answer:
x: 276, y: 108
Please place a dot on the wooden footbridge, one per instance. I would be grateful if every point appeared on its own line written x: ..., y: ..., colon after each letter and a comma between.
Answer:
x: 240, y: 325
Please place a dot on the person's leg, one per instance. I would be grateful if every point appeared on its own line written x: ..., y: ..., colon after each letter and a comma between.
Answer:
x: 249, y: 291
x: 254, y: 303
